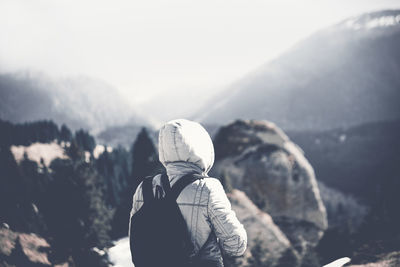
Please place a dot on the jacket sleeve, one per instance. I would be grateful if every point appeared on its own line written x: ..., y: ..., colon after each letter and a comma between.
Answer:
x: 137, y: 202
x: 230, y: 232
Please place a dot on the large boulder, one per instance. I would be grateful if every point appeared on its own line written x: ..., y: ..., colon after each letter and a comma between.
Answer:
x: 258, y: 158
x: 268, y: 246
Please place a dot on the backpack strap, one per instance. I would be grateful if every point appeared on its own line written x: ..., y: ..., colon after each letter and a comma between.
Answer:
x: 182, y: 183
x: 165, y: 183
x: 147, y: 189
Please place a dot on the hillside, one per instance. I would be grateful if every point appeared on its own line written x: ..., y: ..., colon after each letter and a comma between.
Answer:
x: 355, y: 160
x: 79, y: 102
x: 344, y: 75
x: 362, y: 164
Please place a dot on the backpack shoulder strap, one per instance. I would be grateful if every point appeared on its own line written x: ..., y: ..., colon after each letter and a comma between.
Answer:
x: 147, y: 189
x: 182, y: 183
x: 165, y: 183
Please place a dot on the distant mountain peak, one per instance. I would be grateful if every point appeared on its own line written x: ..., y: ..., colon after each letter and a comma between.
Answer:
x: 380, y: 19
x: 337, y: 77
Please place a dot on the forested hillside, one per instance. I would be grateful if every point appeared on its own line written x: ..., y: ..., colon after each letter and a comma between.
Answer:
x: 80, y: 200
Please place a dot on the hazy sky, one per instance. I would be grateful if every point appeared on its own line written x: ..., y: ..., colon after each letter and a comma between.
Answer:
x: 147, y: 47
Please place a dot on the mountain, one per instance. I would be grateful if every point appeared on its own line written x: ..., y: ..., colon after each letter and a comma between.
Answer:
x: 79, y: 102
x: 344, y: 75
x: 123, y: 135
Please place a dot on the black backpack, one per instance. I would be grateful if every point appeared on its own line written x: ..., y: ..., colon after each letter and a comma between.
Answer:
x: 158, y: 235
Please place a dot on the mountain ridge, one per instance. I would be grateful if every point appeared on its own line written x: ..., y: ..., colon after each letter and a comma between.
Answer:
x: 328, y: 80
x: 78, y: 101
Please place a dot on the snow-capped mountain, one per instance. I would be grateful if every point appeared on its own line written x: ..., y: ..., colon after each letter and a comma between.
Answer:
x: 373, y: 20
x: 344, y: 75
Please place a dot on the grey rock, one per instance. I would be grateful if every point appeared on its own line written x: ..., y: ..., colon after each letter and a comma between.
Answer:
x: 267, y: 244
x: 23, y: 249
x: 258, y: 158
x: 386, y: 260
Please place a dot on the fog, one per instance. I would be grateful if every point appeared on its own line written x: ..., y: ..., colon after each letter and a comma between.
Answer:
x: 149, y: 49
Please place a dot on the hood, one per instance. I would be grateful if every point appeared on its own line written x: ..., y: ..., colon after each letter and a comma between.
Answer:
x: 185, y: 142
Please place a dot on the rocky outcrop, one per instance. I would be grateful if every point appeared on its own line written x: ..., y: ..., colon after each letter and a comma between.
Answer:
x: 386, y: 260
x: 258, y: 158
x: 268, y: 245
x: 20, y: 249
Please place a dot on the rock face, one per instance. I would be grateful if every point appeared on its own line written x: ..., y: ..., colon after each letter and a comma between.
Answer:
x: 264, y: 237
x: 386, y: 260
x: 20, y: 249
x: 259, y: 159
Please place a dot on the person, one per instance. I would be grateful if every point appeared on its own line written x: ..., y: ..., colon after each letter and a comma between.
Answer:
x: 185, y: 147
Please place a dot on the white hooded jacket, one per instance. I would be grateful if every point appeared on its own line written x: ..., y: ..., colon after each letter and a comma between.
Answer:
x: 185, y: 147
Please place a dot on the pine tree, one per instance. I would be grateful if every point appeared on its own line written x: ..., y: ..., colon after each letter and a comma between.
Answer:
x: 65, y: 133
x: 144, y: 162
x: 85, y: 141
x: 144, y: 157
x: 76, y: 212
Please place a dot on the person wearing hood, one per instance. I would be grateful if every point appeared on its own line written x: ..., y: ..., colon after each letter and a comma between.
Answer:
x: 186, y: 148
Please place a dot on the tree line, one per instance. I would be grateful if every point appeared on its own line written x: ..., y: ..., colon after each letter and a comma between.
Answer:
x: 75, y: 203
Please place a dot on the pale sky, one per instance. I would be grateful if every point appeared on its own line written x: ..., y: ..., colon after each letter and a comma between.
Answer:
x: 145, y: 48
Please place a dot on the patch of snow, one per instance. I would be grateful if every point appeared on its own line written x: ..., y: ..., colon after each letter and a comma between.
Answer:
x: 98, y: 150
x: 37, y: 151
x: 65, y: 144
x: 338, y: 263
x: 35, y: 208
x: 384, y: 21
x: 100, y: 252
x: 120, y: 254
x: 87, y: 156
